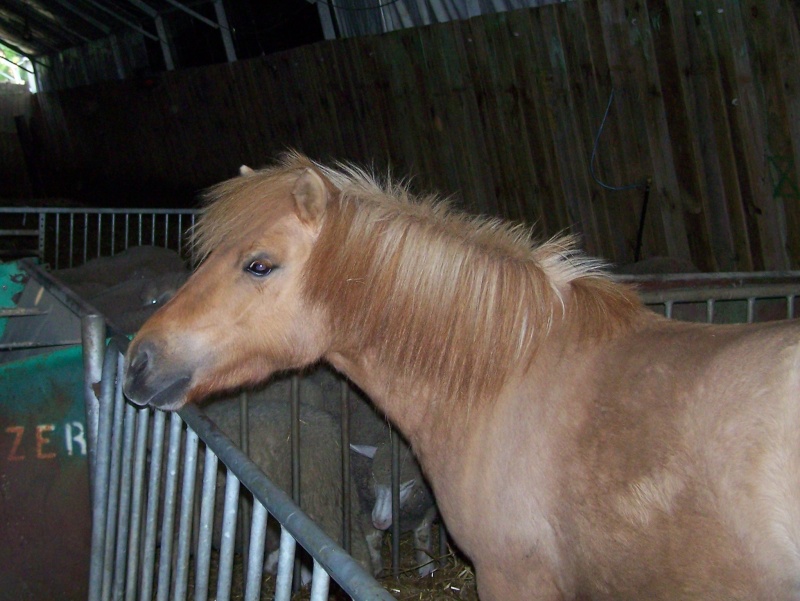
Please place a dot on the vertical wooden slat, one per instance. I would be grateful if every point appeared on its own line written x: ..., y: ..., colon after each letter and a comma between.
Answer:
x: 758, y: 128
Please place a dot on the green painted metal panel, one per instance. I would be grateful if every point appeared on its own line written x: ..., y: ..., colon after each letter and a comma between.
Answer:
x: 45, y: 509
x: 11, y: 284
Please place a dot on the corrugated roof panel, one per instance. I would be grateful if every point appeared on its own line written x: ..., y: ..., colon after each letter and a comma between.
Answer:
x: 369, y: 17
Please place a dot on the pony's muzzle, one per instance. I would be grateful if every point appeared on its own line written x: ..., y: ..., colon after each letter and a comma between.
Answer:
x: 148, y: 383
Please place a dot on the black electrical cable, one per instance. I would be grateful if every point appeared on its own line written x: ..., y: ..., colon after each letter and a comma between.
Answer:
x: 645, y: 185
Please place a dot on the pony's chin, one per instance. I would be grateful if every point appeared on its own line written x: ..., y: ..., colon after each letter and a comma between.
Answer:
x: 170, y: 398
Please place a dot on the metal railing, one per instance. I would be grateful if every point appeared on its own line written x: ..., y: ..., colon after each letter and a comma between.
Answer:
x: 134, y: 520
x: 67, y: 237
x: 723, y: 297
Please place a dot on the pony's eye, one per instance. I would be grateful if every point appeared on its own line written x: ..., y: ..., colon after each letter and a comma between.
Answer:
x: 259, y: 267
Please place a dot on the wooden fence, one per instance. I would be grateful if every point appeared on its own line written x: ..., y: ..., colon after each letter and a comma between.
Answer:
x: 503, y: 111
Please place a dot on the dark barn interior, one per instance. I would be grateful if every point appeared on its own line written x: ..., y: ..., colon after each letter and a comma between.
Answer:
x: 695, y: 160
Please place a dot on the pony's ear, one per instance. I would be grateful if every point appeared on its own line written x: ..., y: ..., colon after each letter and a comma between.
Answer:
x: 311, y: 196
x: 244, y: 170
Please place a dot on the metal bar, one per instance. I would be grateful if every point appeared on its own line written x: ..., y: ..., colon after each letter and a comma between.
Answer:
x: 11, y: 346
x: 697, y: 295
x: 99, y: 234
x: 126, y: 490
x: 283, y: 581
x: 395, y: 503
x: 121, y: 19
x: 208, y: 500
x: 42, y: 234
x: 93, y: 333
x: 347, y: 516
x: 710, y: 310
x: 153, y: 499
x: 224, y: 29
x: 295, y: 443
x: 127, y: 225
x: 115, y: 467
x: 142, y: 430
x: 22, y: 312
x: 320, y: 583
x: 155, y: 211
x: 168, y: 513
x: 88, y: 18
x: 58, y: 237
x: 71, y: 239
x: 193, y: 13
x: 101, y: 473
x: 145, y: 8
x: 227, y: 545
x: 113, y: 233
x: 255, y: 559
x: 30, y: 233
x: 244, y: 443
x: 117, y: 53
x: 85, y: 238
x: 186, y: 511
x: 180, y: 235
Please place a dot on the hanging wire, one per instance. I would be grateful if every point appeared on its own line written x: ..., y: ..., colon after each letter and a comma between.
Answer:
x: 645, y: 184
x: 642, y: 184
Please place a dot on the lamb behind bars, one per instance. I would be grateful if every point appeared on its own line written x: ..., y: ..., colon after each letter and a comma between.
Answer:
x: 372, y: 471
x: 320, y: 463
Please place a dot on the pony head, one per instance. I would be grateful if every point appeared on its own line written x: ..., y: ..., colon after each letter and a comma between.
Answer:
x: 240, y: 317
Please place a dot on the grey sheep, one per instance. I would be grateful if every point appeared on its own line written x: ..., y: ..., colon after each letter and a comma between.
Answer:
x: 372, y: 474
x: 269, y: 417
x: 128, y: 287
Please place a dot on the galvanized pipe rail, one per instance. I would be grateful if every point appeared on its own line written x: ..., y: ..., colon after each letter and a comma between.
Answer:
x: 126, y: 526
x: 668, y: 292
x: 66, y: 237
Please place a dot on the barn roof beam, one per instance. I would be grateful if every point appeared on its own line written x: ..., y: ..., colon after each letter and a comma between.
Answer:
x: 121, y: 19
x: 31, y: 29
x: 221, y: 24
x: 193, y: 13
x: 86, y: 17
x: 225, y: 30
x: 161, y: 32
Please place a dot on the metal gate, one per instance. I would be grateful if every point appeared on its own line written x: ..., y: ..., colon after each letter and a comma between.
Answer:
x: 136, y: 556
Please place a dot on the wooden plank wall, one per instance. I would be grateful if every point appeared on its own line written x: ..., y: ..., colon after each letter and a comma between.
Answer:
x: 502, y: 111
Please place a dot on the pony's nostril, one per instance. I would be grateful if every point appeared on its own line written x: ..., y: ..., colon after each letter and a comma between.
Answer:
x: 141, y: 358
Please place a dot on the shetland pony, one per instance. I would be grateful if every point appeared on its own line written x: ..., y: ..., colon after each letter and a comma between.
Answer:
x: 579, y: 446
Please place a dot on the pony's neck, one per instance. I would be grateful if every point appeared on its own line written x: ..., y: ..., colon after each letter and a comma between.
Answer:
x: 412, y: 408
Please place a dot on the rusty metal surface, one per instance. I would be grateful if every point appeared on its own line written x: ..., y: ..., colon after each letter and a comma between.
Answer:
x: 45, y: 519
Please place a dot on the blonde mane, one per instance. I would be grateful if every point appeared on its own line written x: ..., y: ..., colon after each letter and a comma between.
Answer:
x: 453, y: 301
